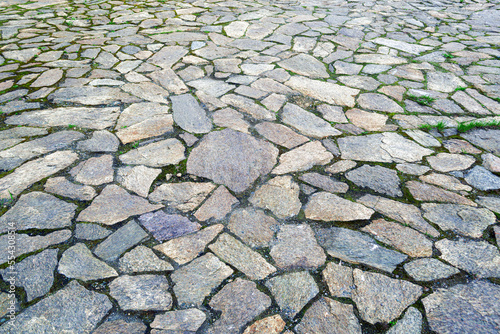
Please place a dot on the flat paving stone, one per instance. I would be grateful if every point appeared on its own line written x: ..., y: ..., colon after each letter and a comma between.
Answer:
x: 141, y: 292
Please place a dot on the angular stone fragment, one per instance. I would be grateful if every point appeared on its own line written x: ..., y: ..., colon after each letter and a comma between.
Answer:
x: 151, y: 127
x: 329, y: 207
x: 240, y: 302
x: 323, y: 91
x: 194, y: 281
x: 479, y: 258
x: 116, y: 325
x: 400, y: 148
x: 164, y: 226
x: 182, y: 321
x: 168, y: 56
x: 459, y: 218
x: 369, y: 121
x: 62, y: 187
x: 329, y: 316
x: 137, y: 179
x: 292, y: 291
x: 423, y: 138
x: 253, y: 226
x: 339, y: 280
x: 324, y: 182
x: 296, y: 247
x: 445, y: 162
x: 270, y: 325
x: 380, y: 298
x: 168, y: 79
x: 142, y: 259
x: 378, y: 102
x: 402, y: 238
x: 428, y: 193
x: 87, y: 231
x: 356, y: 247
x: 122, y: 239
x: 37, y: 210
x: 147, y: 91
x: 232, y: 251
x: 114, y: 204
x: 306, y: 122
x: 445, y: 181
x: 486, y: 139
x: 380, y: 179
x: 101, y: 141
x: 280, y: 195
x: 412, y: 48
x: 303, y: 158
x: 429, y: 269
x: 411, y: 323
x: 212, y: 87
x: 232, y: 158
x: 230, y: 118
x: 82, y: 311
x: 23, y: 55
x: 217, y: 206
x: 482, y: 179
x: 141, y: 293
x: 363, y: 148
x: 186, y: 248
x: 189, y: 115
x: 464, y: 308
x: 78, y: 262
x: 306, y: 65
x: 280, y: 134
x: 94, y: 171
x: 91, y: 95
x: 492, y: 203
x: 35, y: 273
x: 158, y: 154
x: 184, y: 196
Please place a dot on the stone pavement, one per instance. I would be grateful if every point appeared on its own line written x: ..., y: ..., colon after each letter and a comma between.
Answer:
x: 301, y: 166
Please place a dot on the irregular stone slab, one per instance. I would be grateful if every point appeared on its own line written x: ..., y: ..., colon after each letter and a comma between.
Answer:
x: 168, y: 56
x: 217, y: 206
x: 137, y: 179
x: 35, y: 274
x: 292, y: 291
x: 306, y: 65
x: 303, y: 158
x: 324, y: 91
x: 445, y: 181
x: 23, y: 56
x: 87, y: 231
x: 364, y: 148
x: 162, y: 153
x: 101, y: 141
x: 189, y: 115
x: 31, y: 244
x: 491, y: 162
x: 91, y: 95
x: 122, y: 239
x: 482, y: 179
x: 324, y: 182
x: 186, y: 248
x: 427, y: 270
x: 15, y: 156
x: 380, y: 59
x: 296, y: 247
x: 479, y: 258
x: 115, y: 204
x: 270, y: 325
x: 48, y: 78
x: 62, y: 187
x: 37, y: 210
x: 340, y: 166
x: 492, y: 203
x: 164, y: 226
x: 94, y: 171
x: 82, y: 311
x: 369, y: 121
x: 382, y: 180
x: 31, y: 172
x: 248, y: 106
x: 212, y: 87
x: 486, y: 139
x: 253, y: 226
x: 405, y: 239
x: 182, y: 321
x: 152, y: 127
x: 379, y: 102
x: 415, y: 49
x: 232, y: 251
x: 141, y: 293
x: 184, y: 196
x: 280, y: 134
x: 280, y: 195
x: 443, y: 82
x: 400, y: 148
x: 445, y: 162
x: 329, y: 316
x: 406, y: 214
x: 115, y: 325
x: 329, y: 207
x: 230, y: 118
x: 423, y: 138
x: 78, y: 262
x: 232, y: 158
x: 464, y: 308
x: 147, y: 91
x: 240, y: 302
x: 307, y: 123
x: 168, y: 79
x: 236, y: 29
x: 380, y: 298
x: 195, y: 281
x: 459, y: 218
x: 356, y: 247
x: 339, y: 280
x: 428, y: 193
x: 142, y: 259
x: 411, y: 323
x: 412, y: 169
x: 141, y: 112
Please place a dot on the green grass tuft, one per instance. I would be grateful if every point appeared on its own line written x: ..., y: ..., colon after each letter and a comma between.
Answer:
x: 466, y: 126
x: 448, y: 55
x: 423, y: 99
x: 441, y: 125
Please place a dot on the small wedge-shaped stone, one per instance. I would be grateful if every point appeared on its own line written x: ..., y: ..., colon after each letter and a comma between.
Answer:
x: 411, y: 323
x: 380, y: 298
x: 164, y: 226
x: 253, y: 226
x: 324, y: 91
x: 182, y: 321
x: 382, y: 180
x: 339, y: 279
x: 356, y: 247
x: 115, y: 204
x: 168, y: 56
x: 141, y: 293
x: 137, y: 179
x: 428, y: 193
x: 91, y: 95
x: 429, y: 269
x: 162, y: 153
x: 305, y: 64
x: 270, y: 325
x: 39, y: 211
x: 217, y: 206
x: 195, y: 281
x: 280, y: 195
x: 188, y: 247
x: 78, y: 262
x: 303, y: 158
x: 90, y: 118
x: 72, y: 307
x: 329, y: 207
x: 306, y: 122
x: 184, y: 196
x: 280, y: 134
x: 62, y: 187
x: 189, y: 115
x: 248, y: 106
x: 94, y: 171
x: 232, y: 251
x: 142, y: 259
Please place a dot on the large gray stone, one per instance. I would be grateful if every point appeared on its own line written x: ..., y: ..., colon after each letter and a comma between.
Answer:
x: 280, y: 195
x: 141, y: 293
x: 159, y: 154
x: 329, y: 207
x: 382, y: 180
x: 189, y: 115
x: 184, y: 196
x: 142, y: 259
x: 482, y: 179
x: 429, y: 269
x: 306, y: 122
x: 487, y: 139
x: 78, y: 262
x: 253, y: 226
